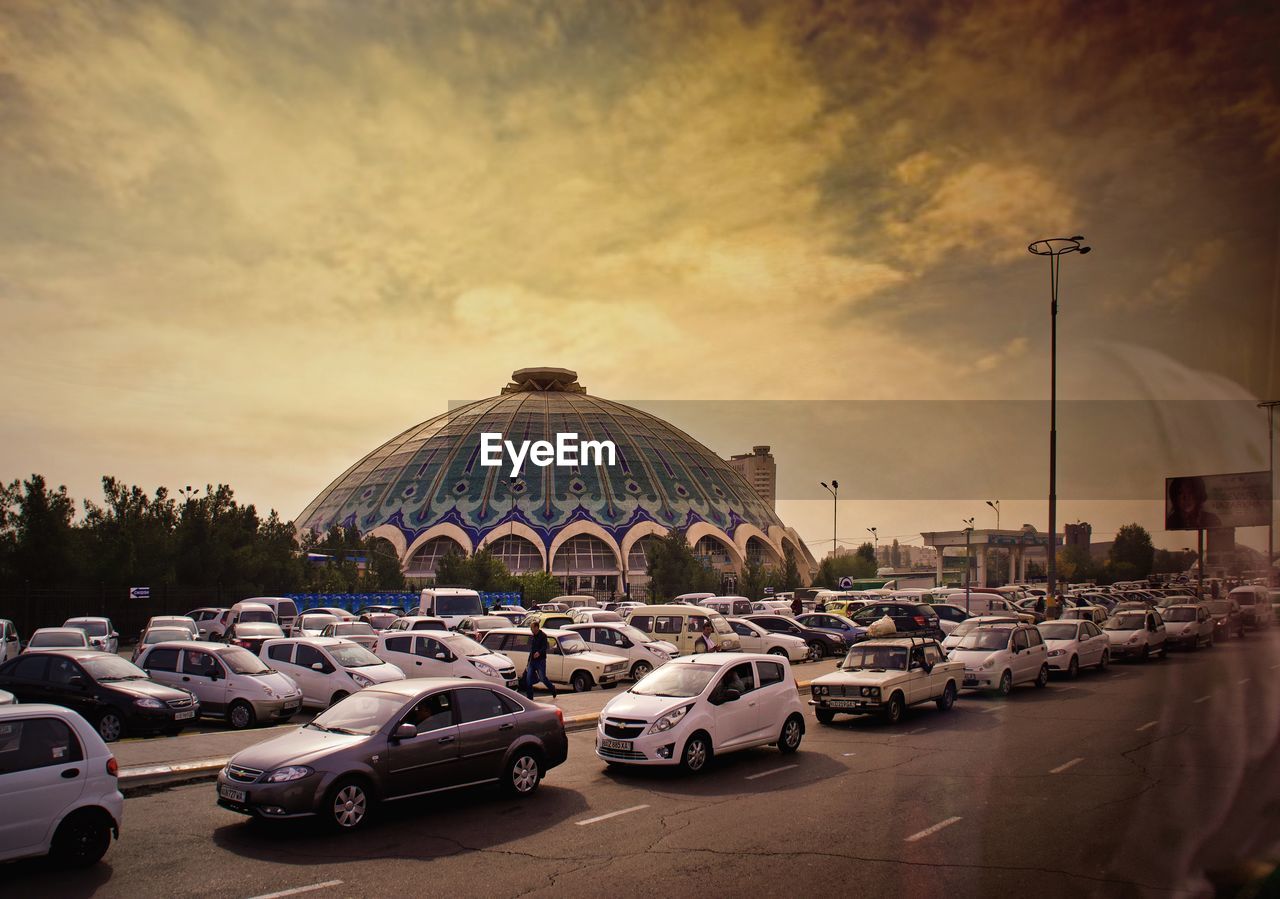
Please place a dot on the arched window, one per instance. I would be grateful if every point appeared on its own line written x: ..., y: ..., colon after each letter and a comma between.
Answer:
x: 585, y: 554
x: 638, y: 556
x: 713, y: 551
x: 517, y: 553
x: 427, y: 556
x: 760, y: 552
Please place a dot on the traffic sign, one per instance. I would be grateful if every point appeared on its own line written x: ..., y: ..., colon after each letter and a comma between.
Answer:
x: 768, y: 591
x: 139, y: 592
x: 846, y: 583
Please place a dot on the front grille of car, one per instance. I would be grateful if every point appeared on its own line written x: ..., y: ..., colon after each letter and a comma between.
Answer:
x: 628, y: 754
x: 241, y: 774
x: 621, y: 729
x: 616, y: 666
x: 180, y: 703
x: 508, y: 673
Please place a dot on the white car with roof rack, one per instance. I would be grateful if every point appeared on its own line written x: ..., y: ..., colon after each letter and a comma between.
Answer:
x: 885, y: 676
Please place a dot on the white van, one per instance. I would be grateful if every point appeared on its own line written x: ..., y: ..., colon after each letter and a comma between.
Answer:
x: 728, y: 606
x: 1255, y: 606
x: 450, y: 603
x: 682, y: 626
x: 575, y: 602
x: 285, y: 609
x: 250, y: 611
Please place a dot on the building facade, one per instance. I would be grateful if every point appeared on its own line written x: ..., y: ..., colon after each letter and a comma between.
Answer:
x: 760, y: 471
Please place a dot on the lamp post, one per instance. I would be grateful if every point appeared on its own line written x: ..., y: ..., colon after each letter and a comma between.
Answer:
x: 875, y: 542
x: 968, y: 532
x: 834, y: 490
x: 995, y: 553
x: 1270, y: 406
x: 1054, y: 248
x: 995, y: 504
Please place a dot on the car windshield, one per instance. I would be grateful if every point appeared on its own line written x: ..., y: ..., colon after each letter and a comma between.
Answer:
x: 1179, y: 614
x: 635, y: 634
x: 352, y: 628
x: 888, y: 658
x: 362, y: 713
x: 676, y: 680
x: 572, y: 645
x: 1134, y: 621
x: 58, y: 638
x: 350, y: 655
x: 109, y: 668
x: 459, y: 605
x: 263, y: 629
x: 92, y: 628
x: 241, y: 661
x: 160, y: 634
x: 464, y: 645
x: 1057, y: 630
x: 986, y: 639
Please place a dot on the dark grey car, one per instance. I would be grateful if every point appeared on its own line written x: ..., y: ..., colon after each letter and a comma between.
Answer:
x: 393, y: 741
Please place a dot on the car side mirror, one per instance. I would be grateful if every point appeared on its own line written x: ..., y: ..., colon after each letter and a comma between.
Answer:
x: 442, y: 657
x: 319, y: 666
x: 76, y: 681
x: 404, y: 732
x: 732, y: 695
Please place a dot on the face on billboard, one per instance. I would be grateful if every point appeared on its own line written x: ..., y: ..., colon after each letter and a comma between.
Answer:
x: 1217, y: 501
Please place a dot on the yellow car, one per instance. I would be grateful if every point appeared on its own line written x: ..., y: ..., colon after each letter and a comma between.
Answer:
x: 547, y: 620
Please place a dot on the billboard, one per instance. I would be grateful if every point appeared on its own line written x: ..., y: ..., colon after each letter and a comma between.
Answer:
x: 1239, y: 500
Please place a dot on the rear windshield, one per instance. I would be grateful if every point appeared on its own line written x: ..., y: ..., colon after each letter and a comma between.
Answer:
x: 92, y: 628
x: 1180, y: 615
x: 57, y: 639
x: 254, y: 615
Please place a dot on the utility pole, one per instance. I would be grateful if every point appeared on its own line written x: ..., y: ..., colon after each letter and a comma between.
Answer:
x: 968, y: 563
x: 1270, y: 406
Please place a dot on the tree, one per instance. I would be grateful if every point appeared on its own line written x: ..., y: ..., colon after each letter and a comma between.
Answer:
x: 41, y: 539
x: 1075, y: 564
x: 537, y: 586
x: 452, y: 570
x: 755, y: 577
x: 383, y: 570
x: 789, y: 578
x: 674, y: 569
x: 868, y: 552
x: 1131, y: 552
x: 831, y: 570
x: 895, y: 554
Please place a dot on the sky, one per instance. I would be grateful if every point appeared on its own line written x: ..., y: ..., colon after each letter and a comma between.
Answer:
x: 246, y: 243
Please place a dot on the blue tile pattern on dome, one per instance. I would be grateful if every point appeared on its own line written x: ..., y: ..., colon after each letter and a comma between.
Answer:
x: 430, y: 474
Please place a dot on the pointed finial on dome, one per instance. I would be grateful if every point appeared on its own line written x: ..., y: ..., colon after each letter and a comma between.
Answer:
x: 535, y: 379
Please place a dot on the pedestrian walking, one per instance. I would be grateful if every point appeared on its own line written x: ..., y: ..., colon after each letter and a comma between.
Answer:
x: 536, y: 671
x: 796, y: 605
x: 1040, y: 606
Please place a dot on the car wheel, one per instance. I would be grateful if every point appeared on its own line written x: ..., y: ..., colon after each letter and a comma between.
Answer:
x: 640, y: 669
x: 1104, y: 661
x: 110, y: 726
x: 349, y: 804
x: 524, y: 773
x: 81, y: 839
x: 697, y: 752
x: 581, y: 682
x: 792, y: 732
x: 1006, y: 684
x: 338, y: 697
x: 1073, y: 669
x: 1042, y: 680
x: 815, y: 652
x: 948, y: 698
x: 824, y: 716
x: 240, y: 716
x: 777, y: 651
x: 893, y: 713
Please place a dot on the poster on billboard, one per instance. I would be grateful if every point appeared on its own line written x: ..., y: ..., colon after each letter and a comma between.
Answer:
x: 1240, y: 500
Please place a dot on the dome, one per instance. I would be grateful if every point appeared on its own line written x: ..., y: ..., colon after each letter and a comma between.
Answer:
x: 427, y: 492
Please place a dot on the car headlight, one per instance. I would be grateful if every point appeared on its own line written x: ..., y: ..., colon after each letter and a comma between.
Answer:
x: 819, y: 690
x: 289, y: 773
x: 486, y: 670
x: 361, y: 679
x: 838, y: 639
x: 266, y: 688
x: 872, y: 692
x: 1056, y: 652
x: 146, y: 702
x: 1133, y: 639
x: 989, y: 663
x: 669, y: 720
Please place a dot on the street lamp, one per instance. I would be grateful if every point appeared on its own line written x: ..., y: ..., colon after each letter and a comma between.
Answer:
x: 875, y: 538
x: 995, y: 504
x: 968, y: 532
x: 1270, y: 406
x: 1054, y: 248
x: 835, y: 512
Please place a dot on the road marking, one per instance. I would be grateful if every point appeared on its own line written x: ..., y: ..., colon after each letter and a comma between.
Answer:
x: 297, y: 890
x: 1148, y: 726
x: 1064, y: 767
x: 599, y: 818
x: 847, y: 754
x: 774, y: 771
x: 930, y: 831
x: 918, y: 730
x: 993, y: 708
x: 1274, y: 667
x: 1243, y: 681
x: 1204, y: 698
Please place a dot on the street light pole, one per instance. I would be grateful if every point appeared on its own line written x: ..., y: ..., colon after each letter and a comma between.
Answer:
x: 995, y: 553
x: 876, y: 544
x: 834, y: 490
x: 1054, y: 248
x: 968, y: 532
x: 1270, y: 406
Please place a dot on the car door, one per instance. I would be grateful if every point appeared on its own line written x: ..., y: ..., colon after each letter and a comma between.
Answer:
x: 27, y: 680
x: 398, y: 651
x: 204, y: 676
x: 516, y: 647
x: 771, y: 692
x: 161, y: 665
x: 9, y: 644
x: 917, y: 687
x: 434, y: 656
x: 428, y: 761
x: 79, y: 695
x: 936, y: 679
x: 1093, y: 642
x: 486, y: 727
x: 736, y: 721
x: 42, y: 773
x: 747, y: 637
x: 1155, y: 630
x: 1022, y: 661
x: 313, y: 681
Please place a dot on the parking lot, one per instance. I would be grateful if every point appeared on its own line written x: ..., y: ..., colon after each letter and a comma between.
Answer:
x: 1136, y: 780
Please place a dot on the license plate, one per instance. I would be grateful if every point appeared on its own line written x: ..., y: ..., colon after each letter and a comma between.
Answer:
x: 182, y: 716
x: 232, y: 795
x: 843, y: 703
x: 970, y: 681
x: 620, y: 745
x: 293, y: 706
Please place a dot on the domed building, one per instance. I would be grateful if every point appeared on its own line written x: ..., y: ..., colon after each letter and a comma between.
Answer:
x: 426, y: 492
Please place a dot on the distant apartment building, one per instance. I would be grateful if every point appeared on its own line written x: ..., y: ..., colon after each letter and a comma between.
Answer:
x: 760, y: 471
x: 1079, y: 534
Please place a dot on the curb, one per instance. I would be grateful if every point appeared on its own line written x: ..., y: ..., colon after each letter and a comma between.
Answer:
x: 139, y: 778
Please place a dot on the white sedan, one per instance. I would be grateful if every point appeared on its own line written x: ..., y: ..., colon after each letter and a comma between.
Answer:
x: 754, y: 638
x: 1075, y: 644
x: 638, y: 648
x: 444, y: 654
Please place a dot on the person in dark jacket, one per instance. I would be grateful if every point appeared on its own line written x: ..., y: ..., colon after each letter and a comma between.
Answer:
x: 796, y: 606
x: 536, y: 671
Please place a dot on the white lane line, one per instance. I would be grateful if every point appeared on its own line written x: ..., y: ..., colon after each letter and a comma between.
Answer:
x: 1243, y: 681
x: 993, y: 708
x: 930, y: 831
x: 1274, y: 667
x: 297, y: 890
x: 1064, y: 767
x: 599, y: 818
x: 1204, y: 698
x: 918, y: 730
x: 774, y: 771
x: 1148, y: 726
x: 847, y: 754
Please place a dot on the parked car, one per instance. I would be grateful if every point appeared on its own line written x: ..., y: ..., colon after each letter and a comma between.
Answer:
x: 250, y: 612
x: 915, y: 618
x: 1227, y: 619
x: 340, y: 614
x: 284, y: 608
x: 450, y: 603
x: 154, y: 635
x: 58, y: 638
x: 327, y: 669
x: 10, y: 645
x: 681, y: 625
x: 231, y: 682
x: 1255, y: 606
x: 312, y: 624
x: 395, y: 741
x: 1001, y: 656
x: 821, y: 643
x: 1096, y: 614
x: 696, y: 707
x: 586, y: 616
x: 513, y: 619
x: 7, y: 698
x: 1075, y: 644
x: 251, y: 635
x: 100, y: 631
x: 359, y: 632
x: 548, y: 620
x: 756, y: 638
x: 170, y: 621
x: 642, y: 653
x: 569, y: 659
x: 886, y: 676
x: 949, y: 616
x: 211, y: 622
x: 1189, y: 625
x: 114, y: 695
x: 58, y: 787
x: 836, y: 624
x: 444, y: 654
x: 479, y: 625
x: 728, y: 606
x: 1136, y: 633
x: 418, y: 623
x: 379, y: 617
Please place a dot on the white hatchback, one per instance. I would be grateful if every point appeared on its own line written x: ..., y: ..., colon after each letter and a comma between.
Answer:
x: 327, y: 669
x: 1075, y: 644
x: 1136, y: 633
x: 100, y: 631
x: 1001, y: 656
x: 641, y: 651
x: 58, y: 786
x: 754, y: 638
x: 699, y: 706
x: 444, y: 654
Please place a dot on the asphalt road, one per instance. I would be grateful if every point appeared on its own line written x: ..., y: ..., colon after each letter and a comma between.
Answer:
x: 1132, y: 782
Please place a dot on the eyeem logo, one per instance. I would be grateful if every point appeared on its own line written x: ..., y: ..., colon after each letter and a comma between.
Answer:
x: 566, y: 452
